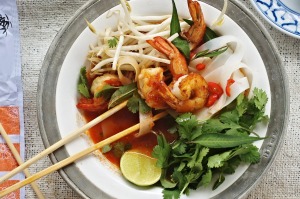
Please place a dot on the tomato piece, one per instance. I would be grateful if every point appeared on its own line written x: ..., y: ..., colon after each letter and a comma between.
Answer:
x: 93, y: 105
x: 229, y: 83
x: 212, y: 98
x: 214, y: 88
x: 200, y: 66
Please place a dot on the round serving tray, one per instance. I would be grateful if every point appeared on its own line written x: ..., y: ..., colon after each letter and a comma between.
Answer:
x: 242, y: 16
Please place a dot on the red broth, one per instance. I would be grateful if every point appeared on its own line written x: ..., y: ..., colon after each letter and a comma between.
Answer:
x: 121, y: 121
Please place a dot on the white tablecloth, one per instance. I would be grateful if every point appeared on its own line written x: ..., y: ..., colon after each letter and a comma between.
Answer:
x: 39, y: 23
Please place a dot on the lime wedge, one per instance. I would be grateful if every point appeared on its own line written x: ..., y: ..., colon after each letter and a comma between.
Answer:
x: 139, y: 168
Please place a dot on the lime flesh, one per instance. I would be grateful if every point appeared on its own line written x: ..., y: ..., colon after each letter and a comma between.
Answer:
x: 139, y: 168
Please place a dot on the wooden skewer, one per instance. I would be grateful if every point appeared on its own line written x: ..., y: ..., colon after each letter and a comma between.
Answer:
x: 63, y: 141
x: 14, y: 151
x: 75, y: 157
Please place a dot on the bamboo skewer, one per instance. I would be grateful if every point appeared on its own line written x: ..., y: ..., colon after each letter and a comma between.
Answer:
x: 16, y: 154
x: 63, y: 141
x: 75, y: 157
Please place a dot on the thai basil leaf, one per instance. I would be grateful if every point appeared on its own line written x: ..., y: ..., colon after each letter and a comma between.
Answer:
x: 213, y: 53
x: 218, y: 140
x: 122, y: 94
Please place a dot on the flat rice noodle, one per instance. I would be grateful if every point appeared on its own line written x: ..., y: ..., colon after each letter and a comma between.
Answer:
x: 223, y: 67
x: 129, y: 64
x: 146, y: 123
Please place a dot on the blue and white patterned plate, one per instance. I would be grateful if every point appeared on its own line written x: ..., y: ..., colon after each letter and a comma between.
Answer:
x: 282, y: 14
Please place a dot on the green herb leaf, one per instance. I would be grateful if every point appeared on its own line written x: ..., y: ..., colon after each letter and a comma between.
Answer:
x: 181, y: 44
x: 218, y: 140
x: 175, y: 25
x: 214, y: 53
x: 122, y: 94
x: 106, y: 91
x: 183, y: 47
x: 206, y: 178
x: 106, y: 148
x: 161, y: 151
x: 209, y: 34
x: 136, y: 103
x: 119, y: 148
x: 83, y: 86
x: 260, y: 98
x: 113, y: 42
x: 165, y: 182
x: 171, y: 194
x: 218, y: 160
x: 218, y: 182
x: 190, y: 22
x: 214, y: 126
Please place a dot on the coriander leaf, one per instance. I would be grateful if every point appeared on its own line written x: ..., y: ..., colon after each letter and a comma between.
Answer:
x: 136, y: 103
x: 242, y: 104
x: 218, y: 182
x: 218, y: 160
x: 209, y: 34
x: 203, y: 153
x: 166, y: 183
x: 218, y: 140
x: 213, y: 53
x: 260, y: 98
x: 83, y: 86
x: 206, y: 178
x: 144, y: 108
x: 187, y: 124
x: 161, y: 151
x: 231, y: 165
x: 214, y: 126
x: 113, y: 42
x: 179, y: 147
x: 133, y: 104
x: 106, y: 91
x: 230, y: 117
x: 252, y: 156
x: 123, y: 93
x: 194, y: 157
x: 171, y: 194
x: 180, y: 179
x: 106, y: 148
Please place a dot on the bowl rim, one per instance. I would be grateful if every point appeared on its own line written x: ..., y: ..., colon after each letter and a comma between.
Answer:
x: 67, y: 173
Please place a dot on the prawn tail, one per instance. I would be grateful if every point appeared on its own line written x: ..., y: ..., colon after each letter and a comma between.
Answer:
x: 166, y: 94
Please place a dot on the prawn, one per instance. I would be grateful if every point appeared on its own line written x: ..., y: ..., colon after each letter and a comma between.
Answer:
x: 196, y: 32
x: 147, y: 81
x: 192, y: 93
x: 188, y: 91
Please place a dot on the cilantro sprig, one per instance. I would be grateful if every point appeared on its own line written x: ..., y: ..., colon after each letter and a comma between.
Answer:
x: 83, y: 85
x: 213, y: 148
x: 113, y: 42
x: 127, y: 92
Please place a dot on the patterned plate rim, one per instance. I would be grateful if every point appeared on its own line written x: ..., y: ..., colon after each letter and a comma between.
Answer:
x: 279, y: 16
